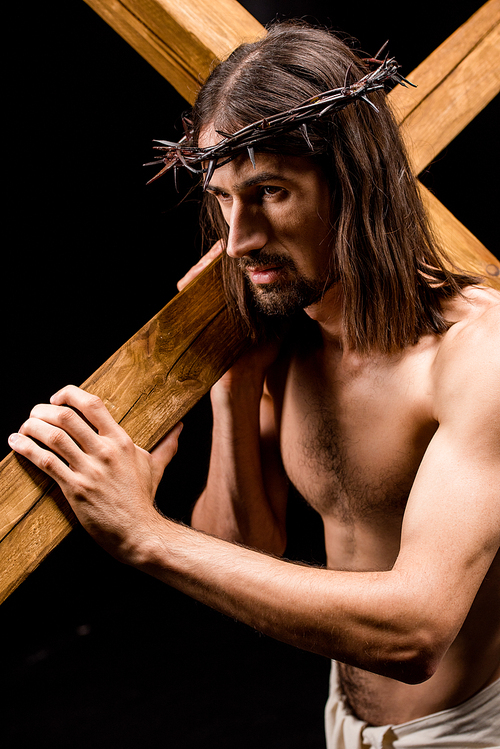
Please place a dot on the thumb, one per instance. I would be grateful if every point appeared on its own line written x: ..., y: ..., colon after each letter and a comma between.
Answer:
x: 165, y: 450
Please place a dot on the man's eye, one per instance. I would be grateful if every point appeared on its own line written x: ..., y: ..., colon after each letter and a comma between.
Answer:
x: 271, y: 190
x: 221, y: 197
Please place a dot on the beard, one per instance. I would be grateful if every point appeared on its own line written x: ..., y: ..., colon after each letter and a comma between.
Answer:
x: 287, y: 297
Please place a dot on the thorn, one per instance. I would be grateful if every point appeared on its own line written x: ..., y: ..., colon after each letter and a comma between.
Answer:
x: 326, y: 110
x: 209, y: 174
x: 168, y: 143
x: 347, y: 75
x: 404, y: 82
x: 381, y: 50
x: 303, y: 129
x: 187, y: 125
x: 162, y: 171
x: 365, y: 98
x: 176, y: 169
x: 180, y: 157
x: 251, y: 154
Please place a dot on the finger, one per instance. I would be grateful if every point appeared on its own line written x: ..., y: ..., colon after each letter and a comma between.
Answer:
x: 54, y: 438
x: 91, y: 406
x: 203, y: 263
x: 70, y: 421
x: 165, y: 450
x: 47, y: 461
x: 192, y: 273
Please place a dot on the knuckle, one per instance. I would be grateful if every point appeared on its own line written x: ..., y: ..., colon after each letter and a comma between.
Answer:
x: 111, y: 450
x: 47, y: 462
x: 56, y: 438
x: 66, y: 416
x: 85, y: 483
x: 93, y: 401
x: 105, y: 452
x: 123, y: 443
x: 123, y: 440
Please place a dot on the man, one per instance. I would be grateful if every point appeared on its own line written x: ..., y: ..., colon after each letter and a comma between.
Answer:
x: 378, y: 400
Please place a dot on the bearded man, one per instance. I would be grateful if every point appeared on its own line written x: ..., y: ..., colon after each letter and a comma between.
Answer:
x: 378, y: 399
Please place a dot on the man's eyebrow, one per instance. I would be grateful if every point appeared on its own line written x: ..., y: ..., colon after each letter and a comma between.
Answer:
x: 252, y: 181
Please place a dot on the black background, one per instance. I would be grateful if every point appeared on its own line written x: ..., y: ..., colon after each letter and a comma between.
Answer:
x: 95, y: 654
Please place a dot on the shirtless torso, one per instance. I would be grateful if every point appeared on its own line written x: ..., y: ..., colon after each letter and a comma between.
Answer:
x: 399, y: 454
x: 353, y: 432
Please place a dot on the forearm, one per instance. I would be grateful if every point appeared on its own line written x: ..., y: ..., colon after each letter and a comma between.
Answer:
x: 370, y: 620
x: 240, y: 503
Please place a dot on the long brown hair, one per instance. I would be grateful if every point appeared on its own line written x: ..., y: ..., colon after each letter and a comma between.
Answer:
x: 393, y: 274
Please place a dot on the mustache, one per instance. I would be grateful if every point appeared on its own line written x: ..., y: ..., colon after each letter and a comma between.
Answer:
x: 265, y: 258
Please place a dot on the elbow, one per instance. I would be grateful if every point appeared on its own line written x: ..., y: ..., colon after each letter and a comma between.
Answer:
x: 416, y: 669
x: 415, y: 635
x: 416, y: 657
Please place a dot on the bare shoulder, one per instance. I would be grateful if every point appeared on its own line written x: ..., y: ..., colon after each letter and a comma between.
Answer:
x: 474, y: 319
x: 467, y: 363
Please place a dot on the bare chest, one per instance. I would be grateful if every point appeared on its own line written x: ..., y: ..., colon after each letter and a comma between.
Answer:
x: 352, y: 439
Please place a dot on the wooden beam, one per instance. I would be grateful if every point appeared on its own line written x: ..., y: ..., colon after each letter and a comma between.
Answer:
x: 465, y: 250
x: 469, y: 63
x: 157, y: 376
x: 453, y: 84
x: 148, y: 385
x: 181, y: 39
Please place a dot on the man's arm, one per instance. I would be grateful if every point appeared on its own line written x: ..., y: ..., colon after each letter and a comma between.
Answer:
x: 246, y: 493
x: 398, y: 623
x: 401, y: 622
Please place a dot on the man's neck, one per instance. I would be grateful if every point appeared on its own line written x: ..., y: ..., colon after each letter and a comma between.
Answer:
x: 327, y: 313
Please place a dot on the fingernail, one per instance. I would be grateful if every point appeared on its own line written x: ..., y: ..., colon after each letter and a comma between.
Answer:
x: 13, y: 439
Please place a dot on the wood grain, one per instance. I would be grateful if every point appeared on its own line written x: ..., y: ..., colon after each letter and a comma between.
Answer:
x: 180, y: 38
x: 157, y: 376
x: 432, y: 73
x: 445, y: 112
x: 148, y: 385
x: 464, y: 249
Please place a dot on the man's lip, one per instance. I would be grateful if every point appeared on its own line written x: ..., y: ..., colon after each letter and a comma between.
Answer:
x: 262, y: 268
x: 262, y: 274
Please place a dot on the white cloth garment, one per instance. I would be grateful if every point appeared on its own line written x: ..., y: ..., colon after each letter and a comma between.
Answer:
x: 473, y: 724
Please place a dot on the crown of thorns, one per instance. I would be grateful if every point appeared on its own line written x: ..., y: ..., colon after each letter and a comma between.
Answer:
x: 206, y: 160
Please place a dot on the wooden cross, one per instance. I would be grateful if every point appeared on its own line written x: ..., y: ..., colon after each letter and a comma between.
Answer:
x: 157, y: 376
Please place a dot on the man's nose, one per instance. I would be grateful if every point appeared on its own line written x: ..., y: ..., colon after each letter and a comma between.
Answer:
x: 247, y: 231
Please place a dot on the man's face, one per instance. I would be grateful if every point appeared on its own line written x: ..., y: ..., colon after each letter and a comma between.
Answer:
x: 279, y: 228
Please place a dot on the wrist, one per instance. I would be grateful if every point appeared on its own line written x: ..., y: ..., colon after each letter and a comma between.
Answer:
x: 161, y: 553
x: 145, y: 543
